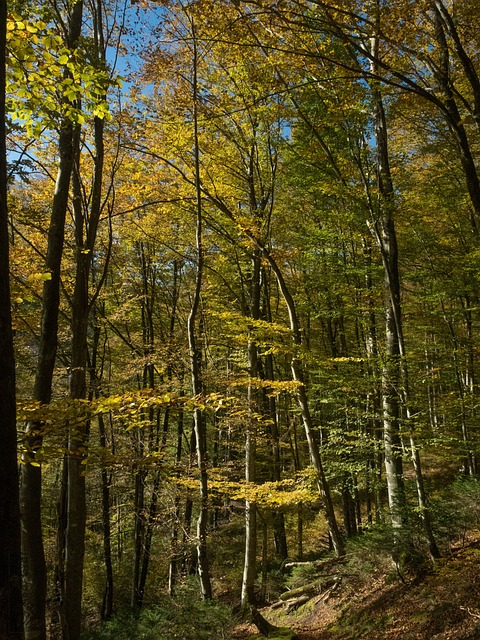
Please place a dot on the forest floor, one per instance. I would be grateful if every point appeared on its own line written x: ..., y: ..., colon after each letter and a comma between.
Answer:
x: 442, y: 604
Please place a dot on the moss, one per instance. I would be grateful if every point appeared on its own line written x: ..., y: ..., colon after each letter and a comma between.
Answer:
x: 280, y: 633
x: 283, y: 634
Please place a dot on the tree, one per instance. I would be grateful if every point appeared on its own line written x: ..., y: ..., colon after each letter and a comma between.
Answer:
x: 34, y: 568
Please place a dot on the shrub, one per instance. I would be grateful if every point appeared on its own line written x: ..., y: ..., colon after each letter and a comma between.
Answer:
x: 457, y: 510
x: 186, y: 616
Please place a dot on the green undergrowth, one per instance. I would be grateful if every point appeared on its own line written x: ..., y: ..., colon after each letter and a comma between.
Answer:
x: 184, y: 617
x: 360, y: 624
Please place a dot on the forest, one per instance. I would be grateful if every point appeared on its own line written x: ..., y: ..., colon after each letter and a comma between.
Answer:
x: 240, y: 318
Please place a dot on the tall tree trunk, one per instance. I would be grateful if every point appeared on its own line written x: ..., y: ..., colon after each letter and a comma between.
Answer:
x: 451, y: 113
x: 107, y: 605
x: 86, y: 219
x: 373, y: 401
x: 148, y: 381
x: 395, y: 372
x: 106, y: 476
x: 175, y: 557
x: 78, y: 429
x: 138, y: 513
x: 86, y: 225
x: 250, y: 557
x: 383, y: 230
x: 33, y: 558
x: 152, y: 513
x: 11, y: 625
x: 189, y: 564
x: 279, y: 534
x: 174, y: 564
x: 195, y: 355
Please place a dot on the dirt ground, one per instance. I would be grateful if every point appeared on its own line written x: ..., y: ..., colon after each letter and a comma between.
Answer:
x: 444, y: 604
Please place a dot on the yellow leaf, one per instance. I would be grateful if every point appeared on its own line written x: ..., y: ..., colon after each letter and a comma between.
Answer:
x: 39, y: 276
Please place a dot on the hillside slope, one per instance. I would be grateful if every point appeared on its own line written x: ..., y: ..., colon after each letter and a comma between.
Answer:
x: 443, y: 604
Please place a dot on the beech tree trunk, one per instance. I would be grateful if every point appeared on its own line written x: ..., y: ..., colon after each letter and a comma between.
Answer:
x: 395, y: 385
x: 279, y: 534
x: 86, y: 225
x: 106, y: 476
x: 140, y: 527
x: 107, y: 605
x: 33, y: 558
x: 250, y: 557
x: 195, y: 356
x: 176, y: 557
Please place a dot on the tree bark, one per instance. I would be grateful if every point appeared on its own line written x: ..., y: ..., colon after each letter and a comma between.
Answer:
x: 107, y: 606
x: 195, y: 362
x: 250, y: 557
x: 395, y: 371
x: 279, y: 534
x: 86, y: 226
x: 33, y: 558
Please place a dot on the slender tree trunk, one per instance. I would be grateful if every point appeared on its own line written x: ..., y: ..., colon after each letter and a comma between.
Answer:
x: 279, y: 534
x: 195, y: 361
x: 86, y: 226
x: 175, y: 557
x: 58, y: 624
x: 138, y: 514
x: 107, y: 606
x: 148, y: 380
x: 250, y: 557
x: 263, y: 591
x: 106, y: 477
x: 452, y: 114
x: 395, y: 372
x: 152, y: 513
x: 373, y: 400
x: 189, y: 564
x: 34, y: 568
x: 470, y: 383
x: 383, y: 230
x: 78, y: 429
